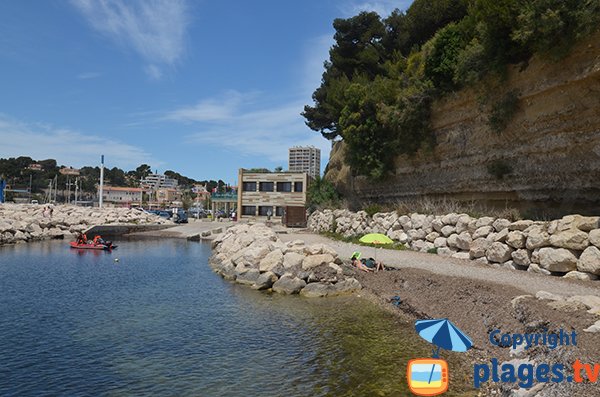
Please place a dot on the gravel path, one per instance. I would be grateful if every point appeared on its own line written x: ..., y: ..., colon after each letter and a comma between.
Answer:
x: 529, y: 283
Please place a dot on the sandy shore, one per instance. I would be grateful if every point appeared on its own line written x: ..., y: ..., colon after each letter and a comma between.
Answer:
x: 480, y: 299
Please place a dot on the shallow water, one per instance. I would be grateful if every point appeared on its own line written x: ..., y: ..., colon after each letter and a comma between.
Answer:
x: 159, y: 322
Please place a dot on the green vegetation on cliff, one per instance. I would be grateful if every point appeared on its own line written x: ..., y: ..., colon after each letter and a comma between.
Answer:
x: 383, y: 74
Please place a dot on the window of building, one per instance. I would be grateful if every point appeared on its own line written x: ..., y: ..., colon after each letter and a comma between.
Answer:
x: 264, y: 210
x: 249, y: 186
x: 266, y: 186
x: 248, y: 210
x: 284, y: 186
x: 279, y: 211
x: 298, y: 186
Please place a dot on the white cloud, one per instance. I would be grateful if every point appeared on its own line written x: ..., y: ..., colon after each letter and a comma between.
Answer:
x: 71, y: 148
x: 155, y: 29
x: 212, y: 109
x: 381, y: 7
x: 263, y: 132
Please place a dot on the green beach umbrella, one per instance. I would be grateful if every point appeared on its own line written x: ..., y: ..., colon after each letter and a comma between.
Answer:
x: 376, y: 239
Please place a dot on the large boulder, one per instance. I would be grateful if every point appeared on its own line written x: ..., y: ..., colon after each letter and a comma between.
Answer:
x: 464, y: 241
x: 316, y: 290
x: 265, y: 281
x: 537, y: 238
x: 594, y: 237
x: 478, y: 248
x: 521, y: 257
x: 557, y: 259
x: 516, y: 239
x: 292, y: 259
x: 570, y: 239
x: 589, y: 261
x: 271, y: 261
x: 249, y: 277
x: 312, y: 261
x: 289, y: 284
x: 499, y: 253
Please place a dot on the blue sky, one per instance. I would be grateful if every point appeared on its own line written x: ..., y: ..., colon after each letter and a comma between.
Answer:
x: 200, y: 87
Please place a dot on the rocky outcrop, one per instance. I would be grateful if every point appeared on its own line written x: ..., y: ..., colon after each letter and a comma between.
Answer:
x: 28, y: 222
x: 253, y: 255
x: 550, y: 147
x: 566, y: 246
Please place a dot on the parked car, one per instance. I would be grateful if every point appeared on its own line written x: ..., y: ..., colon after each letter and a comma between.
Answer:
x: 179, y: 216
x: 196, y: 212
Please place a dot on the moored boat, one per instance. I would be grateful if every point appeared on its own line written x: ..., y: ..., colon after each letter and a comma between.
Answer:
x: 108, y: 245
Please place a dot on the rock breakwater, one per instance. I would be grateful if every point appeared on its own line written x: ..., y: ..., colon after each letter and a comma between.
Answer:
x: 22, y: 222
x: 253, y: 255
x: 567, y: 247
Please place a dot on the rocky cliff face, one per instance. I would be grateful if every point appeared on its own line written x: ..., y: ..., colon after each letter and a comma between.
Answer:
x: 551, y: 144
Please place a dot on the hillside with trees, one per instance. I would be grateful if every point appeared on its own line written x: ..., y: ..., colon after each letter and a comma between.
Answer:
x: 384, y: 73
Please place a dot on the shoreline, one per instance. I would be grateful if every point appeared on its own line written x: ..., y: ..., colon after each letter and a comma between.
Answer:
x: 509, y: 301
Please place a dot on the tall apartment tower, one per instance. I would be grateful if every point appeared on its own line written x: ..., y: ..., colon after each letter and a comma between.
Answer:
x: 305, y: 159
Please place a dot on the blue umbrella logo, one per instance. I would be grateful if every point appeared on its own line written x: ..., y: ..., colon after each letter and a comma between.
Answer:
x: 444, y: 335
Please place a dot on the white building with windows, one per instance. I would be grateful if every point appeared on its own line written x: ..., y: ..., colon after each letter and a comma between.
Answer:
x: 158, y: 181
x: 305, y: 159
x: 122, y: 196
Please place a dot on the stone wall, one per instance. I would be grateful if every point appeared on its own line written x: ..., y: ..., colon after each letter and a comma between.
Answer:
x: 552, y: 144
x: 569, y: 247
x: 253, y: 255
x: 28, y: 222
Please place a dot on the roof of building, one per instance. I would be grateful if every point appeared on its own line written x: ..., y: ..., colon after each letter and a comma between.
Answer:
x: 122, y: 189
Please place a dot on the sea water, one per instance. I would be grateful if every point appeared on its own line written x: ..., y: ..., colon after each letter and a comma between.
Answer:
x: 151, y: 318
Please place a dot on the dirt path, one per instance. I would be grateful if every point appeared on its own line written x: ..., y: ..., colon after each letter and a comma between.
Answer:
x: 527, y: 282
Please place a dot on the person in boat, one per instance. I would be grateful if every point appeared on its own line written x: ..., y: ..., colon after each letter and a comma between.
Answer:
x: 81, y: 239
x: 98, y: 240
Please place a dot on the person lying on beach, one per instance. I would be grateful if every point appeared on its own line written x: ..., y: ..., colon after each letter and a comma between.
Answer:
x: 372, y: 264
x: 356, y: 262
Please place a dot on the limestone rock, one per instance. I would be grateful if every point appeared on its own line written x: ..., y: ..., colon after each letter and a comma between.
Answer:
x: 537, y: 238
x: 316, y: 260
x: 516, y: 239
x: 461, y: 255
x: 288, y: 284
x: 500, y: 224
x: 440, y: 242
x: 499, y: 252
x: 448, y: 230
x: 464, y: 241
x: 265, y: 281
x: 557, y: 259
x: 566, y: 306
x: 450, y: 219
x: 481, y: 261
x: 349, y: 285
x: 484, y: 221
x: 452, y: 241
x: 271, y: 261
x: 292, y: 259
x: 575, y: 275
x: 535, y: 268
x: 316, y: 290
x: 521, y: 257
x: 594, y: 237
x: 593, y: 328
x: 501, y: 236
x: 249, y: 277
x: 589, y: 261
x: 570, y: 239
x: 432, y: 236
x: 520, y: 225
x: 478, y: 248
x: 483, y: 231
